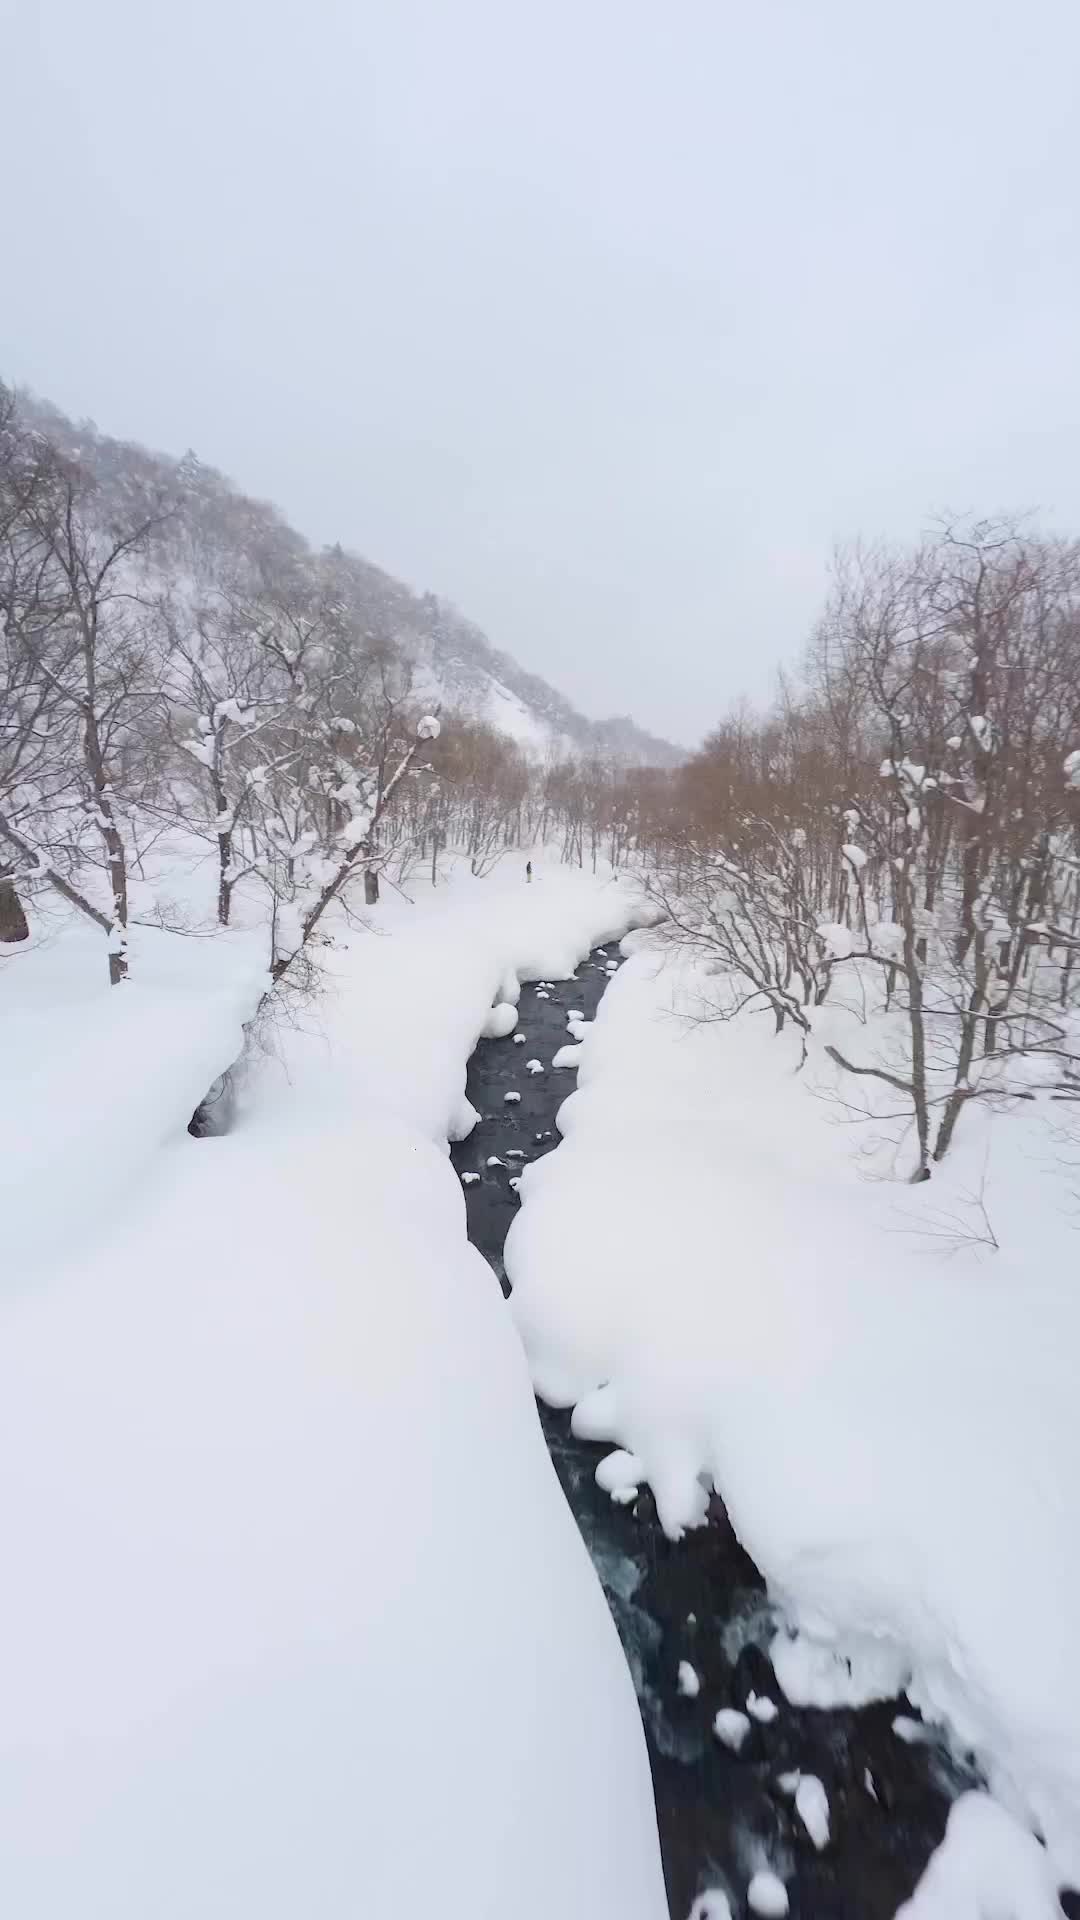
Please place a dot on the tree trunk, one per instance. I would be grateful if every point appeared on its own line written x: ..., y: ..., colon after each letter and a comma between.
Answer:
x: 976, y: 812
x: 364, y: 851
x: 113, y: 842
x: 13, y: 922
x: 917, y: 1030
x: 969, y: 1026
x: 224, y: 892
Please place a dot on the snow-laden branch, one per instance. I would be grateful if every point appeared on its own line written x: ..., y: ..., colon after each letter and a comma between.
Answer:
x: 356, y: 840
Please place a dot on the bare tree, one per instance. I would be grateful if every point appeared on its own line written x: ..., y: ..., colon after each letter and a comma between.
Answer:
x: 924, y: 773
x: 354, y: 853
x: 106, y: 678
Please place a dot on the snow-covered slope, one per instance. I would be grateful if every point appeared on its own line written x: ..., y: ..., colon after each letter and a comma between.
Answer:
x: 295, y: 1620
x: 452, y: 660
x: 886, y: 1403
x: 456, y: 660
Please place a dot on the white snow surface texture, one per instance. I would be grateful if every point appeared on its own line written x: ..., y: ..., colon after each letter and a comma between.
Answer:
x: 294, y: 1619
x: 986, y: 1868
x: 702, y: 1272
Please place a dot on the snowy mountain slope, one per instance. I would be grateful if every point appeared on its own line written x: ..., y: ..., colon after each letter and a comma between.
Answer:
x: 451, y: 658
x: 473, y: 674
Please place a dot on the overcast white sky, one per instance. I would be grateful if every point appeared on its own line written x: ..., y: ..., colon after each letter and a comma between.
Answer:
x: 604, y: 318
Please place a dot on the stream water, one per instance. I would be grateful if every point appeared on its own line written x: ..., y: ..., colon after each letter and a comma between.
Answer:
x: 722, y: 1816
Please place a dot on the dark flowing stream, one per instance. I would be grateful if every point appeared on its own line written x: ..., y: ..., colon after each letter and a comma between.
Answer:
x: 721, y: 1815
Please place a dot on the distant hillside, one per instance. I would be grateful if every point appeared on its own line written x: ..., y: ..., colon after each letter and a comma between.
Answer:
x: 452, y: 659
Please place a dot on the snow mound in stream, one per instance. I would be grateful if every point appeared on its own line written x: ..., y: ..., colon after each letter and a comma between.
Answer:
x: 767, y: 1896
x: 812, y: 1807
x: 568, y: 1056
x: 500, y: 1021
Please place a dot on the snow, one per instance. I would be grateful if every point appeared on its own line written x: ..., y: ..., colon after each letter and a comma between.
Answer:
x: 462, y: 1120
x: 500, y: 1021
x: 272, y: 1489
x: 356, y: 830
x: 689, y: 1684
x: 812, y: 1807
x: 838, y: 941
x: 469, y: 1179
x: 519, y: 1039
x: 200, y: 750
x: 511, y: 1099
x: 986, y: 1868
x: 508, y: 714
x: 593, y: 1417
x: 855, y: 856
x: 568, y: 1056
x: 534, y: 1066
x: 887, y: 938
x: 731, y: 1727
x: 711, y: 1905
x: 911, y: 1732
x: 90, y: 1120
x: 704, y: 1273
x: 761, y: 1708
x: 232, y: 710
x: 767, y: 1895
x: 618, y: 1472
x: 814, y: 1673
x: 428, y: 728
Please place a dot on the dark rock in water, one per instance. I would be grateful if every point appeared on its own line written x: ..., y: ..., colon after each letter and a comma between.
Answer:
x: 720, y: 1815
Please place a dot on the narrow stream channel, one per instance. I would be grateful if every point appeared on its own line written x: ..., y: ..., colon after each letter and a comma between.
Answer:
x: 722, y: 1816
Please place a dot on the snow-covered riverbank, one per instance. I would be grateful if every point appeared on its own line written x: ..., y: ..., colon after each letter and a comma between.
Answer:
x: 694, y: 1617
x: 702, y: 1272
x: 295, y: 1619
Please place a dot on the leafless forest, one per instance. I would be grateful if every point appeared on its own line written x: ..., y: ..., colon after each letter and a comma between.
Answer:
x: 180, y: 667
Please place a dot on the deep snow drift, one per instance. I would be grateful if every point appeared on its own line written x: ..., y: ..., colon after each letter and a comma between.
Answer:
x: 294, y: 1617
x: 702, y: 1272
